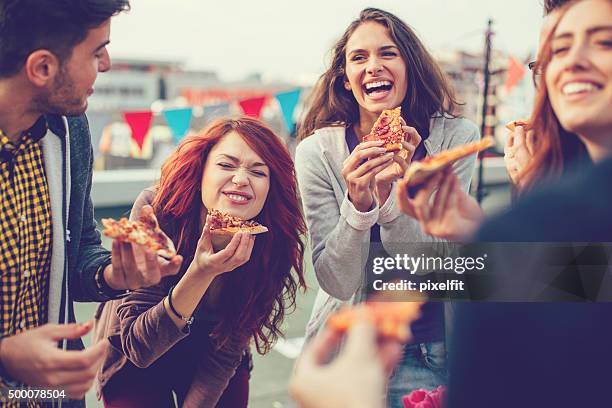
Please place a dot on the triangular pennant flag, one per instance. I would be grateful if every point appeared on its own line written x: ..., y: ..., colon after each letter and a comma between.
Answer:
x: 179, y: 121
x: 253, y: 106
x: 139, y: 122
x: 215, y: 111
x: 288, y: 101
x: 516, y: 72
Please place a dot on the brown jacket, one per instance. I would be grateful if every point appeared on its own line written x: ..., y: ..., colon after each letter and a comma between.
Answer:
x: 140, y: 332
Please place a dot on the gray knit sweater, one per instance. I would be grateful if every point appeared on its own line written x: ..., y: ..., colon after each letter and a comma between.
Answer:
x: 339, y: 234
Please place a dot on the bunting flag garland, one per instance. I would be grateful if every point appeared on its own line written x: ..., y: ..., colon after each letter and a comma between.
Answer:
x: 288, y: 101
x: 139, y: 122
x: 179, y: 121
x: 253, y: 106
x: 516, y: 72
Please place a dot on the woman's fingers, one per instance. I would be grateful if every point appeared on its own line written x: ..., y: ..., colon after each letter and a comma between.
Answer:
x: 360, y: 155
x: 519, y: 137
x: 372, y: 166
x: 411, y: 135
x: 205, y: 241
x: 530, y: 143
x: 243, y: 253
x: 228, y: 252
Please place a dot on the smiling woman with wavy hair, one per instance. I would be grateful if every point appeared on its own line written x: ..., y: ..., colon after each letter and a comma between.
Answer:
x: 347, y: 183
x: 191, y: 333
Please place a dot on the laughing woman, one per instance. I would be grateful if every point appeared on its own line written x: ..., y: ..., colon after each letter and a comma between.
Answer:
x: 347, y: 185
x: 574, y: 97
x: 191, y: 333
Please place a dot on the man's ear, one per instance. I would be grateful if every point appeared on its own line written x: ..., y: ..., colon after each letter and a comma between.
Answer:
x: 41, y: 67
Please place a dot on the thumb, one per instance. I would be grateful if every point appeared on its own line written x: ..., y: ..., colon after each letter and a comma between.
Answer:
x: 172, y: 267
x: 59, y: 332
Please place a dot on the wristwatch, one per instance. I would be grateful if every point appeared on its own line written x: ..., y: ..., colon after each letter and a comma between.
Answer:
x: 103, y: 288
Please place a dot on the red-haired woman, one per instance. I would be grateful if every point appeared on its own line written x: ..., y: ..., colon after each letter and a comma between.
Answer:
x: 190, y: 333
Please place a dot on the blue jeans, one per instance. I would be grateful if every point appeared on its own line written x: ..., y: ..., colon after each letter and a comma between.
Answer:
x: 422, y: 366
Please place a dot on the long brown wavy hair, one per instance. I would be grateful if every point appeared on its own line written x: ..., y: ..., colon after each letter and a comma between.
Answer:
x: 555, y: 148
x: 429, y: 91
x: 256, y: 295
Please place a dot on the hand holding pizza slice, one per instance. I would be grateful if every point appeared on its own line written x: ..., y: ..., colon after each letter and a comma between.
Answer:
x: 141, y: 253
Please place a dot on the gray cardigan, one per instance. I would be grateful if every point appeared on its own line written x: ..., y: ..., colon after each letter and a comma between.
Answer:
x: 339, y: 234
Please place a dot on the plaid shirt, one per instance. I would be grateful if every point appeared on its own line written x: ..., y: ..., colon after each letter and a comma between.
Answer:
x: 25, y: 228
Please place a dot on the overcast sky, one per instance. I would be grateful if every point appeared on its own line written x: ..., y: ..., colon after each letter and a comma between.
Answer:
x: 288, y: 39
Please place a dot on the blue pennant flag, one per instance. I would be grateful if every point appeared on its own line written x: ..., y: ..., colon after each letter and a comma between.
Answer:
x: 288, y: 101
x: 212, y: 112
x: 179, y: 121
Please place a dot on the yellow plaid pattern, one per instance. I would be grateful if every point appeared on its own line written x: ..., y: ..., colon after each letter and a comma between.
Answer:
x: 25, y: 228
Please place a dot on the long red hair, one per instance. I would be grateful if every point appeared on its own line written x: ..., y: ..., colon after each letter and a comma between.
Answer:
x: 262, y: 290
x: 556, y: 148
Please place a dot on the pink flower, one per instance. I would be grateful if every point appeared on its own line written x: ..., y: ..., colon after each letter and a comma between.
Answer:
x: 438, y: 396
x: 425, y: 399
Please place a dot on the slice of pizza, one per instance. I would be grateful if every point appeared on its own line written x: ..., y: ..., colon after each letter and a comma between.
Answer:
x: 391, y: 319
x: 388, y: 127
x: 225, y: 224
x: 420, y: 171
x: 145, y: 232
x: 512, y: 125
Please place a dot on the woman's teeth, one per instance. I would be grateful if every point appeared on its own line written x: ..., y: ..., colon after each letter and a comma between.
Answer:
x: 237, y: 197
x: 578, y: 87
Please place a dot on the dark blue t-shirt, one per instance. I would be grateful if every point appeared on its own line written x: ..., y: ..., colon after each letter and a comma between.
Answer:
x: 430, y: 327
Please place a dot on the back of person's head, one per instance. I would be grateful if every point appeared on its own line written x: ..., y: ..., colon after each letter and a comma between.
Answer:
x: 429, y: 91
x: 54, y: 25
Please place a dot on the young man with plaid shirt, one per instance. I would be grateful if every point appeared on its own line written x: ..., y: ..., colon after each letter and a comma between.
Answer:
x: 50, y: 250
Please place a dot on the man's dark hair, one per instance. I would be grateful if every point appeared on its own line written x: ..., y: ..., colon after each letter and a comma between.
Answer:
x: 55, y: 25
x: 552, y: 5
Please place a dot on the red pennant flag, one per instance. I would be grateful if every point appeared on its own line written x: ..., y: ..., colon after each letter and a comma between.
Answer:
x: 253, y: 106
x: 516, y: 72
x: 139, y: 122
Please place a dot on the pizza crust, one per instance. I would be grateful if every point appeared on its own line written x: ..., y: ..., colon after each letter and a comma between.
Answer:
x: 421, y: 171
x: 511, y: 126
x: 260, y: 229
